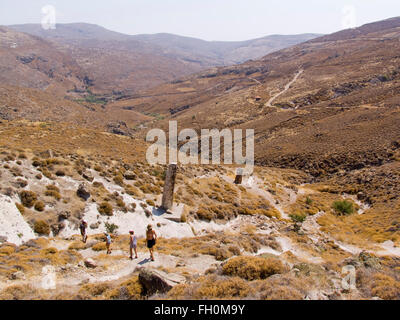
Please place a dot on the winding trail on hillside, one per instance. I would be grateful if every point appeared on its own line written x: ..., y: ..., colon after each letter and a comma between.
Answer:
x: 287, y: 87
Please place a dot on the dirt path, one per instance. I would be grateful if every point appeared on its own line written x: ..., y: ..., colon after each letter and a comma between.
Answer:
x: 287, y: 87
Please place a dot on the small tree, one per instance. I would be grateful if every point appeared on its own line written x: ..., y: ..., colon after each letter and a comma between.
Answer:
x: 111, y: 227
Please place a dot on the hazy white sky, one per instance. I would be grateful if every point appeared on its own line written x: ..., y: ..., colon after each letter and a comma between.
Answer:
x: 207, y: 19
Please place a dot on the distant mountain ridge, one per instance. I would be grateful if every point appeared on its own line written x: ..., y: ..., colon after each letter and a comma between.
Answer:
x: 116, y: 62
x: 220, y: 51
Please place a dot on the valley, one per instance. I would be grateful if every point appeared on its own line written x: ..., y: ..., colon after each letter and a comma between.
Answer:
x: 322, y: 202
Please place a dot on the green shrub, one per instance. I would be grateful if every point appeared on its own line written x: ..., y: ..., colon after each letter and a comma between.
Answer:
x: 111, y: 227
x: 298, y: 217
x: 343, y: 208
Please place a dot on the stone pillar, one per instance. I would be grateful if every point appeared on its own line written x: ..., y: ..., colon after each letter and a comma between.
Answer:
x: 169, y: 185
x: 239, y: 176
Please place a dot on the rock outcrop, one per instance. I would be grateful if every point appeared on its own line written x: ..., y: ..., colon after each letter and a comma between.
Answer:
x: 156, y: 281
x: 83, y: 191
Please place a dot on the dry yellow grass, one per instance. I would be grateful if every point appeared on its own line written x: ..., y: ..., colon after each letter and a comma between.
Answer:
x: 252, y: 268
x: 212, y: 287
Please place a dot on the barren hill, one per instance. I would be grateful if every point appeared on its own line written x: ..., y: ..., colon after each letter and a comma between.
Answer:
x: 116, y: 62
x: 29, y: 61
x: 341, y: 112
x: 324, y: 196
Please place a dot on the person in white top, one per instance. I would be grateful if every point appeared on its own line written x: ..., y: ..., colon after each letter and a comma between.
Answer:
x: 108, y: 242
x: 132, y: 244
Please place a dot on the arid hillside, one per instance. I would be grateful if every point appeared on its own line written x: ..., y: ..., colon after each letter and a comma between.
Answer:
x: 278, y: 235
x: 29, y: 61
x: 322, y: 203
x: 120, y: 64
x: 321, y: 106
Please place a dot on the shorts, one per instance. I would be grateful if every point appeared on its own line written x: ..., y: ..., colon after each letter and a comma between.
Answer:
x: 133, y: 246
x: 151, y: 243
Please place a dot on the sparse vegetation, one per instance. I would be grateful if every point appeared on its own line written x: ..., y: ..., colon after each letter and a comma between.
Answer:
x: 343, y: 208
x: 28, y: 198
x: 41, y: 227
x: 105, y: 208
x: 39, y: 206
x: 252, y: 268
x: 111, y: 227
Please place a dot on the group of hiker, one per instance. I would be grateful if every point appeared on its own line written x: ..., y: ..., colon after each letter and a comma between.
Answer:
x: 151, y: 238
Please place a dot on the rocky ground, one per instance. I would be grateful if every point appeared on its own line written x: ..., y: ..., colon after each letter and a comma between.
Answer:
x: 278, y: 235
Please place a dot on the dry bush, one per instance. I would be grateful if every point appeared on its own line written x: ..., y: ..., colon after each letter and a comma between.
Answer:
x: 39, y: 206
x: 47, y: 173
x: 101, y: 246
x: 385, y: 287
x: 77, y: 245
x: 38, y: 243
x: 283, y: 293
x: 220, y: 254
x: 19, y: 292
x: 28, y: 198
x: 119, y: 180
x: 150, y: 203
x: 53, y: 191
x: 128, y: 290
x: 149, y: 188
x: 204, y: 214
x: 41, y: 227
x: 212, y: 287
x: 6, y: 250
x: 97, y: 184
x: 60, y: 173
x: 252, y: 268
x: 90, y: 290
x: 105, y: 209
x: 132, y: 191
x: 121, y: 204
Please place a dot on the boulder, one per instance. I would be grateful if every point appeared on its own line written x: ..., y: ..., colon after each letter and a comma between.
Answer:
x: 83, y: 191
x: 129, y: 175
x: 156, y: 281
x: 64, y: 215
x: 18, y: 275
x: 86, y: 175
x: 95, y: 225
x: 57, y: 227
x: 90, y: 263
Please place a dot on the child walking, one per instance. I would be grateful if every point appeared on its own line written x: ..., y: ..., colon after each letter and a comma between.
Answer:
x: 108, y: 242
x: 132, y: 244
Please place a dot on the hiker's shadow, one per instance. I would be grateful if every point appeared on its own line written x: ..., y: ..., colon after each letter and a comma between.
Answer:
x: 144, y: 261
x: 158, y: 211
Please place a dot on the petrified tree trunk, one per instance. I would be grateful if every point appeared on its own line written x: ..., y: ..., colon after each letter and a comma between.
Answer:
x: 169, y: 185
x: 239, y: 176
